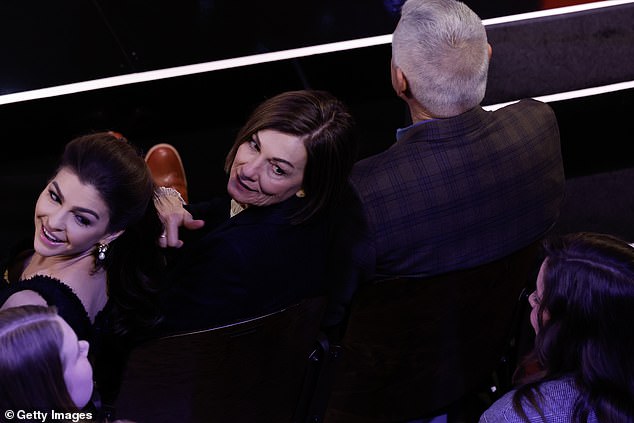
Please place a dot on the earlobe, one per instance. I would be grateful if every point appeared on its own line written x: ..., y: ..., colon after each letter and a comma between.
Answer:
x: 300, y: 193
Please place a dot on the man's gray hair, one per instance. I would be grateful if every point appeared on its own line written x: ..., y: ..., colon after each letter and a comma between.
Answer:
x: 441, y: 47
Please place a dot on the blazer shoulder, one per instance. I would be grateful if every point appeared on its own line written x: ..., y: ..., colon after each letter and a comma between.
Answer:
x: 531, y: 104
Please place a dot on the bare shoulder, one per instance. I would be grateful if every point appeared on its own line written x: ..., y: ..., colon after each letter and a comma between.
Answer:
x: 22, y: 298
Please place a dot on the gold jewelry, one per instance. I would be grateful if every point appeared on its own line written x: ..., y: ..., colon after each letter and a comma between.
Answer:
x: 300, y: 193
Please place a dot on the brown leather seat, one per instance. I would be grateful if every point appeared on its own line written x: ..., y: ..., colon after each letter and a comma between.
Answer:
x: 414, y: 347
x: 256, y: 370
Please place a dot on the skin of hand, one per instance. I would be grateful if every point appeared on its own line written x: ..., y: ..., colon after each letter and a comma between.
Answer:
x: 173, y: 215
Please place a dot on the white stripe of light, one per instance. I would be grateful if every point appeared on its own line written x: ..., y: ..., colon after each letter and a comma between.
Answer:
x: 154, y: 75
x: 572, y: 94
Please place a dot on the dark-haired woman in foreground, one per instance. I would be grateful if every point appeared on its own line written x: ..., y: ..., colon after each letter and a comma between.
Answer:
x: 583, y: 315
x: 43, y: 366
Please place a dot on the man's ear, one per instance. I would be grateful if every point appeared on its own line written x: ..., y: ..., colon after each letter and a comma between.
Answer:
x: 490, y: 50
x: 399, y: 82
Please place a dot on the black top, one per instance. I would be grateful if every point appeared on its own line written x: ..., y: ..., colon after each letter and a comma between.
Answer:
x: 54, y: 291
x: 107, y: 360
x: 251, y: 264
x: 58, y: 294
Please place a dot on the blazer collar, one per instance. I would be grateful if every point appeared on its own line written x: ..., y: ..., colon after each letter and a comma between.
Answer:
x: 441, y: 129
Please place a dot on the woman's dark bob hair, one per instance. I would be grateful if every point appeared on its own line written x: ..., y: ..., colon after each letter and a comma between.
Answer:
x: 325, y: 126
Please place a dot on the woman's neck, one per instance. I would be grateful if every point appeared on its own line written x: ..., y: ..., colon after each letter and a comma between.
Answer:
x: 54, y: 265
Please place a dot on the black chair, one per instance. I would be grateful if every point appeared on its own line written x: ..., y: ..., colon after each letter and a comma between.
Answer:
x: 259, y: 370
x: 416, y: 348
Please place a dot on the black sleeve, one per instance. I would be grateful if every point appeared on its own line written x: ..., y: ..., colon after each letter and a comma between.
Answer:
x: 351, y: 260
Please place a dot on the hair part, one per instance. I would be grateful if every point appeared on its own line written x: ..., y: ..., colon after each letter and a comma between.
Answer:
x: 31, y: 340
x: 589, y: 296
x: 441, y: 47
x: 115, y: 168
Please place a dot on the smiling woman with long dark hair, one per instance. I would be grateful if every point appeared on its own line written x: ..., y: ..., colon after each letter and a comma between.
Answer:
x: 94, y: 253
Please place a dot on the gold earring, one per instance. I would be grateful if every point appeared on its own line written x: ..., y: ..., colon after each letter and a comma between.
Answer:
x: 102, y: 249
x: 301, y: 193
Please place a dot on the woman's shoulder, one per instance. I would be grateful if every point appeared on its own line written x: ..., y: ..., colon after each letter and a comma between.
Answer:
x: 556, y: 398
x: 501, y: 410
x: 45, y: 285
x: 13, y: 262
x: 55, y: 293
x: 214, y: 209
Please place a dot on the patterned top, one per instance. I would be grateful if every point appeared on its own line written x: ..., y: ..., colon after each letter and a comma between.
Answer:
x: 558, y: 403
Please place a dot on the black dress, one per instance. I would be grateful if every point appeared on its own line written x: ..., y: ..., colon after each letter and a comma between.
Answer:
x: 107, y: 360
x: 52, y: 290
x: 58, y: 294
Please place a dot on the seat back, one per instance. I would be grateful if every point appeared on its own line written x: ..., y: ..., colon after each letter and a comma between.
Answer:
x: 415, y: 346
x: 250, y: 371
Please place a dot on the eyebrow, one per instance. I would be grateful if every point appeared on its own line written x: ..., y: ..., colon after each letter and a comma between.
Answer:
x: 79, y: 209
x: 275, y: 159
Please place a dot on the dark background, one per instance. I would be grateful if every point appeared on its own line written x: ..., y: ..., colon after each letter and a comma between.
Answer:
x: 47, y: 43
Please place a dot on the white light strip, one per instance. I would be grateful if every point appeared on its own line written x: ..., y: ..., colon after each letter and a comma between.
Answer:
x: 572, y: 94
x: 263, y: 58
x: 133, y: 78
x: 555, y: 11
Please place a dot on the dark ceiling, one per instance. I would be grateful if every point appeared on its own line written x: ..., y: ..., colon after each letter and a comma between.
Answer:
x: 47, y: 43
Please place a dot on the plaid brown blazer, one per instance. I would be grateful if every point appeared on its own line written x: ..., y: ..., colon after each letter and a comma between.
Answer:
x: 458, y: 192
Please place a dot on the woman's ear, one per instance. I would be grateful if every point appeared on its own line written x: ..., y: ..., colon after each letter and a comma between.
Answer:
x: 300, y: 193
x: 111, y: 237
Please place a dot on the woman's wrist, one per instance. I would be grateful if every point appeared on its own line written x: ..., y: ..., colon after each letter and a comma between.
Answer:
x: 164, y: 192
